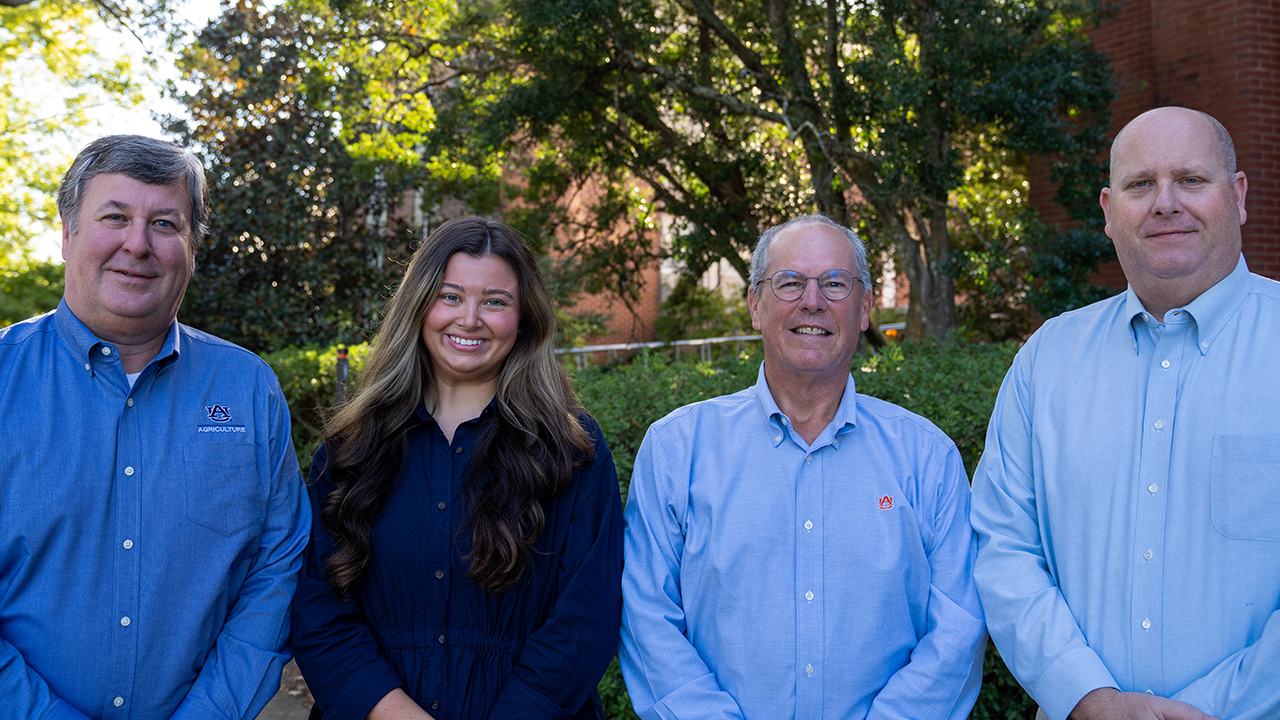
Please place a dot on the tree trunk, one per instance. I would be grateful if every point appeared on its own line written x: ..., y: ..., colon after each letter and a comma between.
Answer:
x: 932, y: 308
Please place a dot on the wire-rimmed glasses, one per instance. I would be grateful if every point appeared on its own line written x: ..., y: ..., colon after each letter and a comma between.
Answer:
x: 789, y: 285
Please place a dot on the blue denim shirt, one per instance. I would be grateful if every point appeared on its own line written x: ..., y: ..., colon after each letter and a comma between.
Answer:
x: 150, y: 538
x: 1128, y: 504
x: 768, y: 578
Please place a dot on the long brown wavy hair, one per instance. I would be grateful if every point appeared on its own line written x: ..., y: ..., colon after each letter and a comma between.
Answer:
x: 523, y: 459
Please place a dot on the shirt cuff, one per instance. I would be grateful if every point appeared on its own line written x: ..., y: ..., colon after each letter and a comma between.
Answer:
x: 1073, y: 676
x: 364, y: 689
x: 520, y: 700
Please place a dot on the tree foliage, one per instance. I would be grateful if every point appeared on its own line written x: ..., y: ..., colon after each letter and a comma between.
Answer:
x: 730, y: 116
x: 28, y: 288
x: 47, y: 44
x: 304, y: 246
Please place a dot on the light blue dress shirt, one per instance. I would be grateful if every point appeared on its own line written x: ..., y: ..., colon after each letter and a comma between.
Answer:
x: 1128, y: 504
x: 766, y: 578
x: 150, y: 538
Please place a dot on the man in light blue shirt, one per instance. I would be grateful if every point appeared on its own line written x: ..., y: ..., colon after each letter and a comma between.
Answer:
x: 796, y: 550
x: 152, y: 514
x: 1128, y: 502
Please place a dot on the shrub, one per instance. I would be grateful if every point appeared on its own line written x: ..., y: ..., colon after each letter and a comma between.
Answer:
x: 953, y: 384
x: 308, y: 379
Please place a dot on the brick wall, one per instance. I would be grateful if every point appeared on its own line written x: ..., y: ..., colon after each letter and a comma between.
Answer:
x: 1219, y: 56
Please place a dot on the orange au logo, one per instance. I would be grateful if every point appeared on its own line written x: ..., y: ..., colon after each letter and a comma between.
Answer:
x: 886, y: 502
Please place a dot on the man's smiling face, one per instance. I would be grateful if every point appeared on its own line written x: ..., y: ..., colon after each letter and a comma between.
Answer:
x: 128, y: 263
x: 1173, y: 209
x: 811, y: 338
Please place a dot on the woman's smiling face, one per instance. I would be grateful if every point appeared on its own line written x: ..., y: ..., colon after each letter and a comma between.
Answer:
x: 473, y: 321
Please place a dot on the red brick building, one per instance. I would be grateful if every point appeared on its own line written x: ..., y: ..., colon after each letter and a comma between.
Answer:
x: 1218, y: 56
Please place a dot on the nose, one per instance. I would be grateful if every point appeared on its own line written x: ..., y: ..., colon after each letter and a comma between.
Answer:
x: 470, y: 317
x: 812, y: 297
x: 1167, y: 202
x: 137, y: 239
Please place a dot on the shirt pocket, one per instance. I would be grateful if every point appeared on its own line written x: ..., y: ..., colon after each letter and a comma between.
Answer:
x: 1245, y: 476
x: 224, y: 492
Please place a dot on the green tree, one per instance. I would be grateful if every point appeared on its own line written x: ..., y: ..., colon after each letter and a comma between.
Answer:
x: 304, y: 244
x: 47, y: 44
x: 732, y: 115
x: 28, y: 287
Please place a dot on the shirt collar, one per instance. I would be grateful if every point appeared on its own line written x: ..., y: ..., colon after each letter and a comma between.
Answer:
x: 81, y: 341
x: 1210, y: 311
x: 845, y: 418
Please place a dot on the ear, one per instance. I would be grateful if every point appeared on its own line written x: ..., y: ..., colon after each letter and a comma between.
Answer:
x: 1241, y: 186
x: 867, y: 300
x: 66, y: 236
x: 1104, y: 199
x: 753, y: 303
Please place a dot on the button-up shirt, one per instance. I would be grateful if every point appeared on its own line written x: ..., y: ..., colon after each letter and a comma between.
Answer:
x: 767, y: 577
x: 416, y: 621
x: 1128, y: 504
x: 150, y: 537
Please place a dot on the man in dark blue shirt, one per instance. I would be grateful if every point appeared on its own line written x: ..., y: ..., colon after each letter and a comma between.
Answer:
x: 151, y: 509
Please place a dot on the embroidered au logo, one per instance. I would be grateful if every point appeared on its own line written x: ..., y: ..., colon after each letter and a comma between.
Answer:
x: 886, y: 502
x: 218, y: 413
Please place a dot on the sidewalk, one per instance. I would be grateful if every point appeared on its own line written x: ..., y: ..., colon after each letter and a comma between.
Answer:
x: 292, y: 701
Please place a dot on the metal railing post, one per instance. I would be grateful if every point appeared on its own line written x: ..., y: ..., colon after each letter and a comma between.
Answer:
x: 340, y: 392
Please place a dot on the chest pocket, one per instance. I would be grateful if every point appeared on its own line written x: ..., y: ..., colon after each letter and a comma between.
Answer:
x: 224, y: 491
x: 1246, y: 486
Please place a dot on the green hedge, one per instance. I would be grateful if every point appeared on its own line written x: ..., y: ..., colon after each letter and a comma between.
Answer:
x: 953, y: 384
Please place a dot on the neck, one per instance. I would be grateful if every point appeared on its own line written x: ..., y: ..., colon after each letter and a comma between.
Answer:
x: 453, y: 404
x: 135, y: 357
x: 810, y: 403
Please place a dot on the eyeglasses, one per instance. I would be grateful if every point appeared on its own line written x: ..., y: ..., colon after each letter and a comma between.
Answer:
x: 789, y: 285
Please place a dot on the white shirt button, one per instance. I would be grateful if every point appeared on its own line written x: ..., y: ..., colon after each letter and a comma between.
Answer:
x: 106, y: 351
x: 1204, y: 344
x: 808, y: 669
x: 808, y: 458
x: 808, y: 524
x: 128, y: 544
x: 1148, y: 555
x: 86, y: 366
x: 1159, y: 424
x: 129, y: 402
x: 1146, y: 624
x: 129, y: 471
x: 1152, y: 488
x: 118, y: 701
x: 1164, y: 364
x: 808, y: 595
x: 777, y: 438
x: 1149, y: 692
x: 125, y: 621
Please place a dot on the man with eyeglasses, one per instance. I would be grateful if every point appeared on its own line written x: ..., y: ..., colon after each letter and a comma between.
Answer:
x: 796, y: 550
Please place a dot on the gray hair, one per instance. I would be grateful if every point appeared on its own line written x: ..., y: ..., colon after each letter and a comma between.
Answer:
x: 760, y: 256
x: 147, y: 160
x: 1226, y: 147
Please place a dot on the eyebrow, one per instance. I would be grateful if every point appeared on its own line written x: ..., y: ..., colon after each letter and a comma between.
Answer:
x: 1203, y: 172
x: 487, y: 291
x: 121, y: 205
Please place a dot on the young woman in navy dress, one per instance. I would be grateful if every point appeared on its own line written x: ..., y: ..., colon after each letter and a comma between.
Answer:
x: 466, y: 546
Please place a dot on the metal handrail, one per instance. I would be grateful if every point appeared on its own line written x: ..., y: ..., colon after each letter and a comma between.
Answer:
x: 583, y: 354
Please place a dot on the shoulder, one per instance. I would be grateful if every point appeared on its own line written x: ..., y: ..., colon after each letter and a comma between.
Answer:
x: 714, y: 411
x: 897, y: 424
x: 1102, y: 316
x: 1265, y: 288
x: 206, y: 349
x: 32, y: 328
x: 594, y: 432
